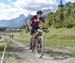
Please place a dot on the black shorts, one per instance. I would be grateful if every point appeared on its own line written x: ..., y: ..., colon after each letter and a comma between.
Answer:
x: 33, y: 31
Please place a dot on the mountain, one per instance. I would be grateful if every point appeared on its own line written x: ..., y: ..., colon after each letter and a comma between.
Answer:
x: 20, y: 21
x: 14, y: 23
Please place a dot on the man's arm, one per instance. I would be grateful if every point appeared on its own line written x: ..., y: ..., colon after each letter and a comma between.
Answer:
x: 45, y: 24
x: 29, y: 24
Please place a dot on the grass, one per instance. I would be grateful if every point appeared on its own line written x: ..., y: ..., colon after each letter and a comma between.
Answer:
x: 2, y: 46
x: 56, y: 38
x: 22, y: 37
x: 10, y: 58
x: 60, y: 38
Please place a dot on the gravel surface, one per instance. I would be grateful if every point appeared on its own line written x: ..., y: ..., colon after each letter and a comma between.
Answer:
x: 22, y: 54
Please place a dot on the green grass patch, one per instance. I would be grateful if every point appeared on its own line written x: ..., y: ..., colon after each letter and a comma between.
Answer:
x: 2, y: 47
x: 22, y: 37
x: 12, y: 58
x: 60, y: 38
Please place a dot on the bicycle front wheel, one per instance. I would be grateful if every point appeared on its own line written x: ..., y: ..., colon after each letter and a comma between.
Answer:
x: 40, y: 47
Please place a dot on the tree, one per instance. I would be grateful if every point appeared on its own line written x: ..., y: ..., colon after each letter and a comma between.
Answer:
x: 63, y: 17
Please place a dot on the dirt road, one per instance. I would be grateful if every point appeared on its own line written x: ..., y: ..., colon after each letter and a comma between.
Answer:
x: 26, y: 56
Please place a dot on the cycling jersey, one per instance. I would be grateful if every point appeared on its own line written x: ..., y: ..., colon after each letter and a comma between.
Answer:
x: 36, y: 21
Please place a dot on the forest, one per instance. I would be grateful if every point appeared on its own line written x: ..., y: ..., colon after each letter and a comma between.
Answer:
x: 63, y: 17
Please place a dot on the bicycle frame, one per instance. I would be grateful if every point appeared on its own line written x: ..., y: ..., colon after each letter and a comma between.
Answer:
x: 39, y: 35
x: 39, y: 43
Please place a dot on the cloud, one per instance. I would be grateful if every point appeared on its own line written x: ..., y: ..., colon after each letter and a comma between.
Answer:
x: 14, y: 8
x: 26, y: 7
x: 25, y: 3
x: 21, y: 3
x: 33, y: 5
x: 8, y: 12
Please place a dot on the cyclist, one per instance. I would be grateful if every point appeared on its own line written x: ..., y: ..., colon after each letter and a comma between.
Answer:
x: 33, y: 24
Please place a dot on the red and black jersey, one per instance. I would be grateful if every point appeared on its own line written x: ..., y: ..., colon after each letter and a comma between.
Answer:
x: 35, y: 21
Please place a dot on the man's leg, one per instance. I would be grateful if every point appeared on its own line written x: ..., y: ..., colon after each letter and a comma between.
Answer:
x: 31, y: 38
x: 35, y: 38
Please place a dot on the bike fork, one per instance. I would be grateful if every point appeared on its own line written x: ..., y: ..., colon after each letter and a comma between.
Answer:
x: 34, y: 44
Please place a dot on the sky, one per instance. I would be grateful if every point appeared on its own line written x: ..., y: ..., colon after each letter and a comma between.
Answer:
x: 10, y: 9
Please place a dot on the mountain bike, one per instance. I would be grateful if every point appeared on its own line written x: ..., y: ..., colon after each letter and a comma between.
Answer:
x: 39, y: 46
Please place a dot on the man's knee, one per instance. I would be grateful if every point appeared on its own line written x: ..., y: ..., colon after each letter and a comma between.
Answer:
x: 35, y: 35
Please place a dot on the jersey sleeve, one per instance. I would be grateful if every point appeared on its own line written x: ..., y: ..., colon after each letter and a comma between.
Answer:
x: 32, y: 18
x: 42, y: 19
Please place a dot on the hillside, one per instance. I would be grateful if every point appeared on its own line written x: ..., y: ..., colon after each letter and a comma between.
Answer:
x: 63, y: 17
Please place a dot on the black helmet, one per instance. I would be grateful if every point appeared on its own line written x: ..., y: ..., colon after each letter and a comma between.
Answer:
x: 39, y: 12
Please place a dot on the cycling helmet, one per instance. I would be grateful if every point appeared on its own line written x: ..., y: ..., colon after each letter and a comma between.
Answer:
x: 39, y: 12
